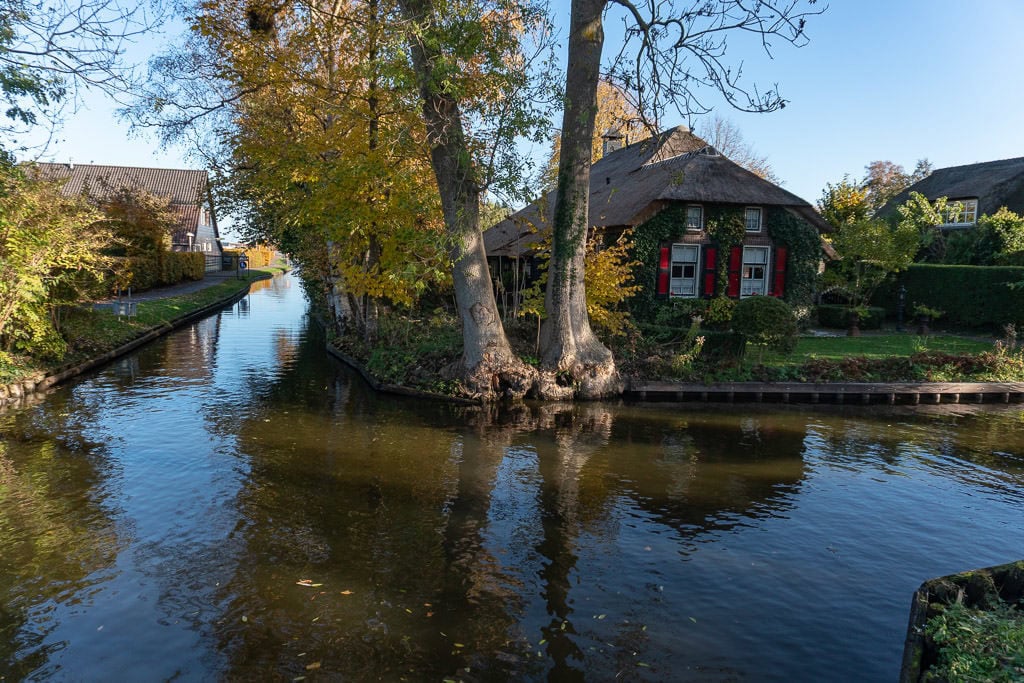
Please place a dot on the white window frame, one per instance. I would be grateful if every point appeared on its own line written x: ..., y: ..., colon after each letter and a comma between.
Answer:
x: 749, y: 285
x: 966, y: 216
x: 700, y: 218
x: 680, y: 287
x: 746, y: 218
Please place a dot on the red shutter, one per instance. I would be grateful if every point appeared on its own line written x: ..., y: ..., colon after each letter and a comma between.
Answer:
x: 779, y: 281
x: 662, y: 290
x: 735, y: 262
x: 710, y: 258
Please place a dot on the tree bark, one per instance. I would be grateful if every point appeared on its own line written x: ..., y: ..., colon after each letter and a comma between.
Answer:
x: 488, y: 367
x: 574, y: 362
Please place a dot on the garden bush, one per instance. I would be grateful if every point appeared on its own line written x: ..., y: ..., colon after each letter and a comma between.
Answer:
x: 767, y: 322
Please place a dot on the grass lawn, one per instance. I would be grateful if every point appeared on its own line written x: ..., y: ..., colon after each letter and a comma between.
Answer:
x: 873, y: 346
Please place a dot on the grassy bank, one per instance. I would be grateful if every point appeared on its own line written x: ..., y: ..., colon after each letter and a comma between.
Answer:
x: 877, y: 358
x: 90, y: 333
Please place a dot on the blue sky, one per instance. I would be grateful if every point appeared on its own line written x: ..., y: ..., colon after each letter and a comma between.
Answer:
x: 880, y: 79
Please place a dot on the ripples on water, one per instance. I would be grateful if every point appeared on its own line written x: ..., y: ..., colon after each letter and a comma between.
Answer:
x: 228, y: 503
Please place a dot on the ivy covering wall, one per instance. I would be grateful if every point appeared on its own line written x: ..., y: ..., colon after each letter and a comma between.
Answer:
x: 725, y: 228
x: 803, y: 244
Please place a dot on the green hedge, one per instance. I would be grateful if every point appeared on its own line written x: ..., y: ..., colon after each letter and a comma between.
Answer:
x: 166, y: 268
x: 969, y: 296
x: 838, y: 316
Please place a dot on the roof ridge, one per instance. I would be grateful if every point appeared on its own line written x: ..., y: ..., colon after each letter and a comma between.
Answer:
x: 72, y: 165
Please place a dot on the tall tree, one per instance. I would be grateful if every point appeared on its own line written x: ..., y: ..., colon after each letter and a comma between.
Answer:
x: 615, y: 116
x: 883, y: 180
x: 726, y: 137
x: 844, y: 202
x: 456, y: 74
x: 51, y: 49
x: 574, y: 361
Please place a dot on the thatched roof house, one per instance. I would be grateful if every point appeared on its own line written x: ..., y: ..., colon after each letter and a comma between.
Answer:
x: 188, y: 192
x: 979, y: 189
x: 677, y: 174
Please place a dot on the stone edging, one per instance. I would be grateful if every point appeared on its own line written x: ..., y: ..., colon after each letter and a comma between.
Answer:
x: 15, y: 393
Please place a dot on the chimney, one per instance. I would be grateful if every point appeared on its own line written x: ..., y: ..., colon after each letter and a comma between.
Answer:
x: 612, y: 140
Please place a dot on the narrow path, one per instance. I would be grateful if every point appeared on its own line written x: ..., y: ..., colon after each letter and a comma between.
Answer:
x: 157, y: 293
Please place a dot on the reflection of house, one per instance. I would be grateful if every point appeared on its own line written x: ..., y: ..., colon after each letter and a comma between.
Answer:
x: 188, y: 191
x: 678, y: 188
x: 974, y: 190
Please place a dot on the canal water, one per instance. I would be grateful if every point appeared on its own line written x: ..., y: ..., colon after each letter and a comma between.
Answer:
x: 229, y: 503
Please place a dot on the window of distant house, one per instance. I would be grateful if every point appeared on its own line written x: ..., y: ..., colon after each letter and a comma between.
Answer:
x: 683, y: 270
x: 754, y: 279
x: 961, y: 212
x: 694, y: 217
x: 752, y: 219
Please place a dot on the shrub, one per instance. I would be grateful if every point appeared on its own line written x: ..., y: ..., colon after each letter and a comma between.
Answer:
x: 723, y: 346
x: 971, y: 296
x: 838, y: 317
x: 767, y: 322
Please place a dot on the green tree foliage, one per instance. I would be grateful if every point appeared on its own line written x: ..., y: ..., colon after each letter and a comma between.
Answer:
x: 51, y: 256
x: 843, y: 203
x: 924, y: 217
x: 869, y: 251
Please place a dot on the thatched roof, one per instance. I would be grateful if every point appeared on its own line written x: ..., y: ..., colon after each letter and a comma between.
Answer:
x: 993, y: 183
x: 185, y: 188
x: 627, y: 186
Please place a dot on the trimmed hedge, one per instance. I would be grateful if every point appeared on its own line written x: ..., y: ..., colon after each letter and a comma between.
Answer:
x: 167, y: 268
x: 838, y: 316
x: 969, y: 296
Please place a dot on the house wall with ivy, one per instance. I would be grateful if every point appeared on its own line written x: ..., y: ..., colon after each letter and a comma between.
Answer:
x: 794, y: 248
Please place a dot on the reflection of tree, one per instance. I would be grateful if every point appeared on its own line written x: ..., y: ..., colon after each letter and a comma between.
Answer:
x: 576, y: 434
x: 54, y: 531
x: 389, y: 513
x: 987, y: 436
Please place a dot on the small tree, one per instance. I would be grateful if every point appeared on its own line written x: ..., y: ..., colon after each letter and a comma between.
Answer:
x: 50, y: 255
x: 767, y: 322
x: 869, y: 251
x: 844, y: 202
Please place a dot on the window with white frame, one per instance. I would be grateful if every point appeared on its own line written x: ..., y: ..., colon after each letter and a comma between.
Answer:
x: 683, y: 270
x: 752, y: 219
x: 961, y: 212
x: 694, y: 218
x: 754, y: 276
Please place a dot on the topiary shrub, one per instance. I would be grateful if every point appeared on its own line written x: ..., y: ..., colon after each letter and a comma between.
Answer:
x: 767, y: 322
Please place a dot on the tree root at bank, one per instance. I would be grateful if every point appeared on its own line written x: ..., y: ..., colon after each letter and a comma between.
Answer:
x: 498, y: 376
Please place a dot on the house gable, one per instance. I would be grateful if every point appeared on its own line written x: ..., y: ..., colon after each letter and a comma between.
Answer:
x: 187, y: 191
x: 993, y: 184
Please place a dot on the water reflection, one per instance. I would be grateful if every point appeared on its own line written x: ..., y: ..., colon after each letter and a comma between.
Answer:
x: 230, y: 504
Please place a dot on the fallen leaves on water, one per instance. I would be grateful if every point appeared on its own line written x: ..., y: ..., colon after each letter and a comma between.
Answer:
x: 346, y: 592
x: 308, y: 583
x: 313, y: 666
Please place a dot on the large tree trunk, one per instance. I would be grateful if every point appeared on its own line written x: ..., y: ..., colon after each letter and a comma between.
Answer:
x: 489, y: 368
x: 574, y: 362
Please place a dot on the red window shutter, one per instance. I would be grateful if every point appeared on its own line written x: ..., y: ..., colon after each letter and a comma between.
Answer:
x: 779, y: 279
x: 710, y: 265
x: 662, y: 289
x: 735, y: 263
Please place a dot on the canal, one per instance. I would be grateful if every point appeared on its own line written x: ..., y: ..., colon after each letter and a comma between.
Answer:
x: 229, y: 503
